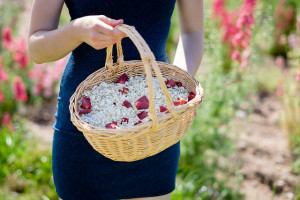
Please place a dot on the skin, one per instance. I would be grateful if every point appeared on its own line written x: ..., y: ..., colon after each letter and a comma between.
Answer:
x: 191, y: 42
x: 47, y: 42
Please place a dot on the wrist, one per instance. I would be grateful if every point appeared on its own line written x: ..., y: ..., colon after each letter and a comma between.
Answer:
x: 77, y: 31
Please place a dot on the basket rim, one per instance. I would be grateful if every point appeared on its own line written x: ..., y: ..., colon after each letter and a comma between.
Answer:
x: 97, y: 130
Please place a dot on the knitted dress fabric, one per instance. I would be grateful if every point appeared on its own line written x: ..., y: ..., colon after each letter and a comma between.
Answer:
x: 79, y: 171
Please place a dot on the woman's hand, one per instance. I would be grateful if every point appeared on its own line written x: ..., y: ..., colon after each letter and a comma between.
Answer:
x: 47, y: 42
x: 98, y: 31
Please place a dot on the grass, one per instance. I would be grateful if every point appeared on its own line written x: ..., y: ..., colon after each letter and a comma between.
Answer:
x: 25, y: 172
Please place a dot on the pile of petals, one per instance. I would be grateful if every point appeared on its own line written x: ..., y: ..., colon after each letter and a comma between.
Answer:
x: 126, y: 103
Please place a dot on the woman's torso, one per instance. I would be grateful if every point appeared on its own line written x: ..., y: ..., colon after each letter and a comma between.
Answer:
x: 151, y: 19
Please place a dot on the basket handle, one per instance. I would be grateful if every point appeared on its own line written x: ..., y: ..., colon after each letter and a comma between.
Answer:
x: 148, y: 61
x: 109, y: 57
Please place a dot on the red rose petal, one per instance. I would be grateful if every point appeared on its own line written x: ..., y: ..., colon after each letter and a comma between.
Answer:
x: 125, y: 120
x: 142, y: 103
x: 176, y: 103
x: 142, y: 115
x: 182, y: 101
x: 127, y: 104
x: 192, y: 93
x: 125, y: 90
x: 123, y: 78
x: 85, y: 111
x: 86, y: 102
x: 138, y: 122
x: 115, y: 123
x: 179, y: 84
x: 110, y: 126
x: 162, y: 108
x: 171, y: 83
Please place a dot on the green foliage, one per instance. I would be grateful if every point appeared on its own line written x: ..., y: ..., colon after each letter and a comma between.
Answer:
x: 205, y: 172
x: 25, y: 173
x: 8, y: 10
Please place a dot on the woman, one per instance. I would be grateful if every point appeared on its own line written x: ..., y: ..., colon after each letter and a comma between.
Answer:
x: 79, y: 171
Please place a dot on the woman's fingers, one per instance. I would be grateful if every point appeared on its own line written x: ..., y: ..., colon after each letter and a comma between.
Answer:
x: 99, y: 31
x: 106, y: 26
x: 103, y: 44
x: 109, y: 21
x: 96, y: 36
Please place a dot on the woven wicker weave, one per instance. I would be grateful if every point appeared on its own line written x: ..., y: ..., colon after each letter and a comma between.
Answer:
x: 147, y: 138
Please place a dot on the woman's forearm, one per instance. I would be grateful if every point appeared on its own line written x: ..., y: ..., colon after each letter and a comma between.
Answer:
x: 47, y: 46
x: 189, y: 51
x: 191, y: 43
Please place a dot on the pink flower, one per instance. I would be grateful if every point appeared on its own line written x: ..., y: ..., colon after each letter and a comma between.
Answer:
x: 6, y: 38
x: 292, y: 41
x: 244, y: 64
x: 45, y: 76
x: 297, y: 78
x: 19, y: 90
x: 1, y: 97
x: 250, y: 3
x: 237, y: 28
x: 247, y: 54
x: 218, y: 7
x: 6, y: 121
x: 3, y: 74
x: 279, y: 61
x: 236, y: 56
x: 290, y: 13
x: 20, y: 55
x: 237, y: 38
x: 280, y: 89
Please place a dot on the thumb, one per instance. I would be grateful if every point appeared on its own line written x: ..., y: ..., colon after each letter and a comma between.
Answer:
x: 109, y: 21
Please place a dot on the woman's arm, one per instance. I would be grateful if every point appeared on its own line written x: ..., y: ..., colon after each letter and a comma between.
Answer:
x: 190, y: 46
x: 47, y: 42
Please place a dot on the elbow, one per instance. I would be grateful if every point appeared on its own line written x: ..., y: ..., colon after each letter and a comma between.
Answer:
x: 34, y: 51
x: 34, y: 56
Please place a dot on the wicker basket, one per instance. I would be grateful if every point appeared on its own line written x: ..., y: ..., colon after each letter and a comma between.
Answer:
x: 163, y: 129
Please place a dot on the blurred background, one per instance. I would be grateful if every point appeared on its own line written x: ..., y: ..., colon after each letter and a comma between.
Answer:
x: 245, y: 140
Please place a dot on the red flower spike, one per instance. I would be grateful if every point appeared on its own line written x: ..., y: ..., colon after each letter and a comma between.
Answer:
x: 138, y: 122
x: 125, y: 90
x: 85, y: 111
x: 121, y: 91
x: 123, y: 79
x: 176, y: 103
x: 86, y: 102
x: 127, y: 104
x: 171, y: 83
x: 110, y: 126
x: 182, y: 101
x: 125, y: 120
x: 142, y: 103
x: 179, y: 84
x: 166, y: 82
x: 142, y: 115
x: 115, y: 123
x: 162, y: 108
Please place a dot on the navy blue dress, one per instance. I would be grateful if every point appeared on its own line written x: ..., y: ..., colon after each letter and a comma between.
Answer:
x: 80, y: 172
